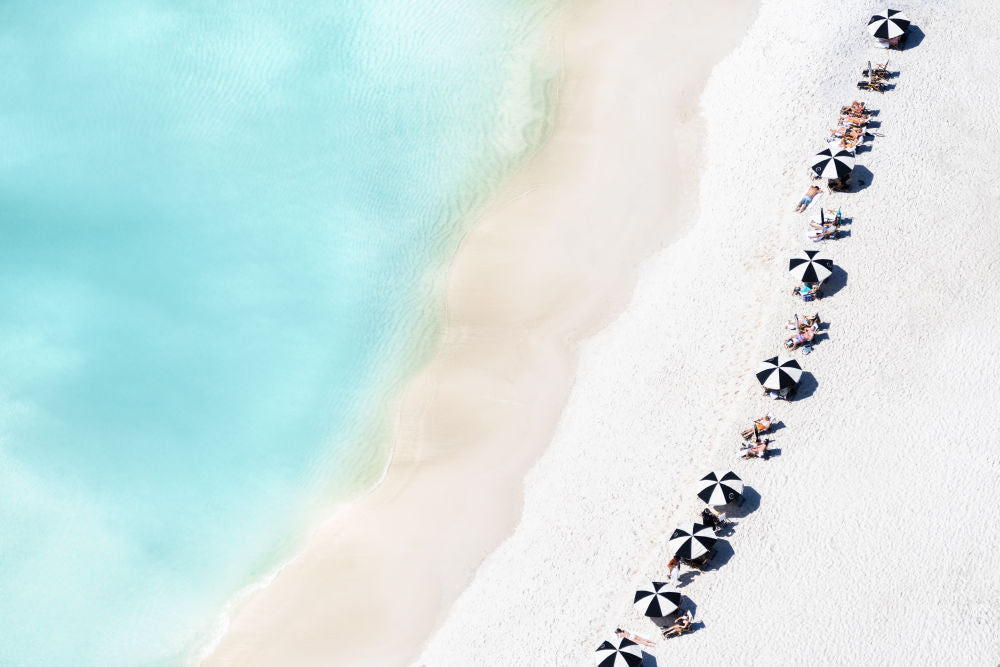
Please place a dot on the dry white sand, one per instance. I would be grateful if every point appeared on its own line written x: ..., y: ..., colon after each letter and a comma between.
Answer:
x: 871, y: 538
x: 553, y: 261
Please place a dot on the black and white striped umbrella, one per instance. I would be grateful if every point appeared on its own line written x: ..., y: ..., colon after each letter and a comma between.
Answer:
x: 692, y: 540
x: 720, y: 487
x: 811, y: 266
x: 833, y: 163
x: 888, y: 24
x: 778, y: 373
x: 619, y: 652
x: 658, y: 601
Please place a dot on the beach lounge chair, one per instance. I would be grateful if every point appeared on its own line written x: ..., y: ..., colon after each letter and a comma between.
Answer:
x: 758, y: 450
x: 827, y: 233
x: 714, y: 519
x: 877, y: 86
x: 759, y: 427
x: 680, y: 626
x: 801, y: 338
x: 855, y: 109
x: 878, y: 73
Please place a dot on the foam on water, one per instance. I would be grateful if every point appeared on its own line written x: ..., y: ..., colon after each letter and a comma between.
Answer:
x: 216, y: 220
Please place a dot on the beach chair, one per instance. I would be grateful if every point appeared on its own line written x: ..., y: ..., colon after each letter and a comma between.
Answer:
x: 827, y: 233
x: 878, y: 73
x: 877, y: 86
x: 759, y: 427
x: 855, y: 109
x: 680, y: 626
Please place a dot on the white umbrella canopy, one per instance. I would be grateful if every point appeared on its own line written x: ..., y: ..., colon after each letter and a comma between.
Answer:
x: 657, y: 601
x: 619, y: 652
x: 888, y: 24
x: 692, y: 540
x: 833, y: 163
x: 779, y: 373
x: 720, y: 487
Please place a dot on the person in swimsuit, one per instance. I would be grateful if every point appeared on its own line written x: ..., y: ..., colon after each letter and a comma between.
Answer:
x: 807, y: 199
x: 825, y: 232
x: 634, y: 637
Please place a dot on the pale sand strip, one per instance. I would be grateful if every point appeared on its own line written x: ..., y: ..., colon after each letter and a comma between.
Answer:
x: 553, y: 261
x: 871, y: 539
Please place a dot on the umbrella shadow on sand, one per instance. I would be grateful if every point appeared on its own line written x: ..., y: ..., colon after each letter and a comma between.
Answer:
x: 751, y: 501
x: 861, y: 178
x: 836, y: 281
x: 806, y: 388
x: 913, y: 38
x: 648, y: 660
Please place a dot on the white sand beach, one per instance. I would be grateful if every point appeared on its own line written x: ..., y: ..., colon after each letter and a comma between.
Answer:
x: 869, y: 539
x: 859, y: 542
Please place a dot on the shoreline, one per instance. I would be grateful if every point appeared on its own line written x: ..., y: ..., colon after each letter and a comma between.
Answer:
x: 532, y: 278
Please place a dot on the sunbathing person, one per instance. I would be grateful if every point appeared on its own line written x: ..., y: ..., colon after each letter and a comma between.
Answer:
x: 825, y: 232
x: 809, y: 291
x: 804, y: 336
x: 759, y: 426
x: 758, y: 450
x: 807, y: 198
x: 853, y: 121
x: 634, y: 637
x: 857, y: 108
x: 778, y: 395
x: 680, y: 626
x: 716, y: 520
x: 804, y: 323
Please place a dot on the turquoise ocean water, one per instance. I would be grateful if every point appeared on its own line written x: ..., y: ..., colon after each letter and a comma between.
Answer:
x: 217, y: 220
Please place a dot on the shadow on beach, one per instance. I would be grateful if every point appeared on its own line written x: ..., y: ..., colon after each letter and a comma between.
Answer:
x: 836, y: 282
x: 861, y: 178
x: 913, y: 38
x: 806, y: 388
x: 723, y: 552
x: 751, y: 501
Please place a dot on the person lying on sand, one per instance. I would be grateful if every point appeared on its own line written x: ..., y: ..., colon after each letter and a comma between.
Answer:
x: 807, y: 198
x: 648, y: 643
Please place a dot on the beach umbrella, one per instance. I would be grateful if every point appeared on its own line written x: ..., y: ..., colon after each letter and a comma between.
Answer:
x: 658, y: 601
x: 811, y: 266
x: 833, y: 163
x: 692, y: 540
x: 779, y: 373
x: 719, y: 488
x: 619, y: 652
x: 888, y: 24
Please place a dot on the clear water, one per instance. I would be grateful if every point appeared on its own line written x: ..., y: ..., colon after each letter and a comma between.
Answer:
x: 216, y: 223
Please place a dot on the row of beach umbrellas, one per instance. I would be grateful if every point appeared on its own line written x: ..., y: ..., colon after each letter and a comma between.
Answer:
x: 690, y: 541
x: 694, y: 540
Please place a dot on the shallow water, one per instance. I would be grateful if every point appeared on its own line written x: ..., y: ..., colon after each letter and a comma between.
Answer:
x: 216, y: 226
